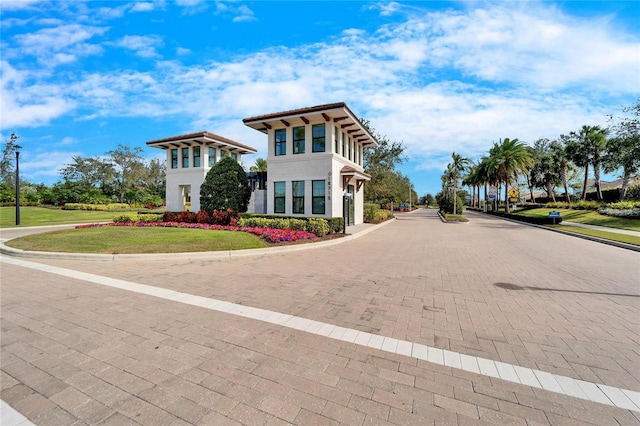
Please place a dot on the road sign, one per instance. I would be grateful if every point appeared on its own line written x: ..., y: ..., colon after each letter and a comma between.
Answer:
x: 513, y: 199
x: 493, y: 192
x: 513, y: 192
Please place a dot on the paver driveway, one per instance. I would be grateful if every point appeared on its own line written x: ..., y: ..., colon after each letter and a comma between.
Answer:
x: 77, y: 351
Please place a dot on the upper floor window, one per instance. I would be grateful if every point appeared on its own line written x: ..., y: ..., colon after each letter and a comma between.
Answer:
x: 185, y: 158
x: 279, y: 195
x: 318, y: 134
x: 212, y: 156
x: 298, y: 196
x: 335, y: 139
x: 174, y: 158
x: 234, y: 155
x: 298, y: 140
x: 196, y: 156
x: 281, y: 142
x: 349, y: 149
x: 344, y: 141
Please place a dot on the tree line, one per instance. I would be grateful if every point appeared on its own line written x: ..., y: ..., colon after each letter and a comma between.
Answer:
x: 551, y: 164
x: 120, y: 175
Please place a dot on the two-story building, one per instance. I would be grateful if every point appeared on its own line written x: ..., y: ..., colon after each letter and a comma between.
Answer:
x: 189, y: 158
x: 315, y: 161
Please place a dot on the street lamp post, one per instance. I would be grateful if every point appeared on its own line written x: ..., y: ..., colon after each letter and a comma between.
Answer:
x: 18, y: 184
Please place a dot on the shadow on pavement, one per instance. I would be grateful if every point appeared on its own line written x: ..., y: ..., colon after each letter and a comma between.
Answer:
x: 509, y: 286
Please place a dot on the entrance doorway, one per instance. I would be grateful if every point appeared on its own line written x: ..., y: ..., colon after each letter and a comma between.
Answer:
x: 350, y: 206
x: 185, y: 191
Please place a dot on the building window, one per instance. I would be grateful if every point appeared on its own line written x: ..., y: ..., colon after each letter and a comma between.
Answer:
x: 185, y: 158
x: 318, y: 134
x: 349, y: 149
x: 335, y: 139
x: 279, y: 195
x: 344, y: 140
x: 174, y: 158
x: 281, y: 142
x: 234, y: 155
x: 318, y: 197
x: 212, y: 156
x: 298, y: 140
x: 196, y: 156
x: 298, y: 196
x: 224, y: 153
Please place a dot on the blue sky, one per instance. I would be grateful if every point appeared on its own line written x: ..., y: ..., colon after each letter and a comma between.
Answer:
x: 81, y: 77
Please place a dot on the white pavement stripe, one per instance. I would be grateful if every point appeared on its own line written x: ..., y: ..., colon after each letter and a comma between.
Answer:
x: 595, y: 392
x: 10, y: 417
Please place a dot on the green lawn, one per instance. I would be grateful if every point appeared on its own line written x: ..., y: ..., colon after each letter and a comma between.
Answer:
x: 122, y: 240
x: 629, y: 239
x: 40, y: 216
x: 586, y: 216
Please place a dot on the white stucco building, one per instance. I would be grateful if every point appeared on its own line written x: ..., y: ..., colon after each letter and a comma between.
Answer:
x: 189, y: 158
x: 315, y: 158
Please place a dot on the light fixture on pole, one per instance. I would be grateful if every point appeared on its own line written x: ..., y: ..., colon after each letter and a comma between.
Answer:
x: 18, y: 147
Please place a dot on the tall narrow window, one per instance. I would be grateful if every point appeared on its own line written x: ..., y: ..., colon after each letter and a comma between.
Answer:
x: 234, y: 155
x: 281, y: 142
x: 212, y: 156
x: 185, y: 158
x: 279, y: 197
x: 298, y: 140
x: 196, y: 156
x: 318, y: 134
x: 298, y: 196
x: 318, y: 197
x: 344, y: 141
x: 349, y: 149
x: 174, y: 158
x: 335, y: 139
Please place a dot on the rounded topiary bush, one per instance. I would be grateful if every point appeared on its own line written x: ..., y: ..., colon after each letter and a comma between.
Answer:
x: 226, y: 186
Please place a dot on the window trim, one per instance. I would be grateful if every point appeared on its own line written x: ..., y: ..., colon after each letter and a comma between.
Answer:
x: 299, y: 144
x: 297, y: 198
x: 185, y: 158
x: 315, y: 197
x: 315, y: 139
x: 277, y: 197
x: 280, y: 144
x: 196, y: 149
x: 174, y: 159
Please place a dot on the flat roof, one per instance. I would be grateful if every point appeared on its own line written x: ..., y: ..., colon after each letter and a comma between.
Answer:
x: 201, y: 138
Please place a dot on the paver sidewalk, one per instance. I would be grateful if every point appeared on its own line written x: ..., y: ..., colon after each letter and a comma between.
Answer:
x: 74, y: 350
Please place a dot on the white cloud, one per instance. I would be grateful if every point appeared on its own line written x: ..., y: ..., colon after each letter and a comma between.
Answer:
x: 244, y: 14
x: 143, y: 46
x: 181, y: 51
x: 44, y: 166
x: 7, y: 5
x: 142, y: 7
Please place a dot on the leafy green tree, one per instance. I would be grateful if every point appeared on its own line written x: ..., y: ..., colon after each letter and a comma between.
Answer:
x: 623, y: 150
x: 7, y: 162
x: 380, y: 163
x: 545, y: 172
x: 128, y: 168
x: 458, y: 165
x: 226, y: 186
x: 562, y: 162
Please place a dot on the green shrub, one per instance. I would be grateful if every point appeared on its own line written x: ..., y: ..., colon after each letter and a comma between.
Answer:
x: 370, y: 211
x: 98, y: 207
x: 633, y: 192
x: 578, y: 205
x: 624, y: 205
x: 318, y: 226
x: 335, y: 224
x: 623, y: 213
x: 136, y: 218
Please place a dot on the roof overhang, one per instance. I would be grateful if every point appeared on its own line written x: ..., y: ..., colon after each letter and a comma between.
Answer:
x: 201, y: 139
x: 338, y: 113
x: 347, y: 173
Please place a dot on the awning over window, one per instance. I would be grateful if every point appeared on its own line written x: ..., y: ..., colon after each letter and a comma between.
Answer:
x: 347, y: 173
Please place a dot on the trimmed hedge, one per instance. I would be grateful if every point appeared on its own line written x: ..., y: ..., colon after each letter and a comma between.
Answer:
x: 318, y: 226
x: 528, y: 219
x: 137, y: 218
x: 100, y: 207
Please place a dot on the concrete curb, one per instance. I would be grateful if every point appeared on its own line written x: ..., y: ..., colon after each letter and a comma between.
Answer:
x: 213, y: 255
x: 572, y: 234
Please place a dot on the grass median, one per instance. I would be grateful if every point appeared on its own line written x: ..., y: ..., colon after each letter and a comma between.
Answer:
x: 588, y: 217
x: 129, y: 240
x: 43, y: 216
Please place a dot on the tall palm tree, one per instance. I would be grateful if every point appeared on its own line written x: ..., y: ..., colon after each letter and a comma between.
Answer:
x: 511, y: 158
x: 561, y: 158
x: 586, y: 148
x: 459, y: 165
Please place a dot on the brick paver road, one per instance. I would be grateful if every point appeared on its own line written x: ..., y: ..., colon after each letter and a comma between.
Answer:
x: 75, y: 351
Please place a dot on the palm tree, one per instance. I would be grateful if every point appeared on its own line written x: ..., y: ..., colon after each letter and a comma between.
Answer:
x: 511, y: 158
x: 259, y: 166
x: 586, y: 148
x: 459, y: 165
x: 561, y: 159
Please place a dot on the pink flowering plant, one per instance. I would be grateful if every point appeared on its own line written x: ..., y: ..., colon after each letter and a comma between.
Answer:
x: 271, y: 235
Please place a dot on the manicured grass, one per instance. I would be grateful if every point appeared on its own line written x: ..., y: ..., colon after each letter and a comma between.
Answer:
x: 455, y: 218
x: 123, y: 240
x: 40, y: 216
x: 629, y: 239
x: 587, y: 217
